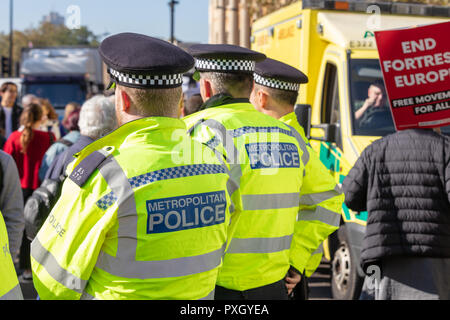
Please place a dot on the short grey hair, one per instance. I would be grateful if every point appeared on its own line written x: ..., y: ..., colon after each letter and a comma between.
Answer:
x: 234, y: 84
x: 28, y: 99
x: 98, y: 117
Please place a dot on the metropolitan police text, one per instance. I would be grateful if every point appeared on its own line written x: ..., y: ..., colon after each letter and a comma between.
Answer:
x: 186, y: 212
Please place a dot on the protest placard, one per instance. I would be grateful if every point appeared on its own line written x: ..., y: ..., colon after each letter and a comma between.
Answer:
x: 416, y: 70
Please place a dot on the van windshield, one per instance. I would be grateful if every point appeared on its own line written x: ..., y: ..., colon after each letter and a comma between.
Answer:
x: 59, y: 94
x: 371, y: 115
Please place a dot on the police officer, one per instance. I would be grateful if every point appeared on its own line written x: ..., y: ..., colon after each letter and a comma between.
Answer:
x: 141, y: 216
x: 9, y: 284
x: 275, y: 93
x: 266, y: 160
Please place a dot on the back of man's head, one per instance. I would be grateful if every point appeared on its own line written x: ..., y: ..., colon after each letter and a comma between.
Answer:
x: 193, y: 104
x: 225, y: 69
x: 280, y: 97
x: 97, y: 117
x: 147, y: 74
x: 237, y: 85
x: 160, y: 102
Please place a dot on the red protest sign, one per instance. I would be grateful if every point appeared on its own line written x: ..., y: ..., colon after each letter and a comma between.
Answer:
x: 416, y: 70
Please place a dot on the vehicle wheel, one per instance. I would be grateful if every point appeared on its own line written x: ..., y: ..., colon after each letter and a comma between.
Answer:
x: 345, y: 282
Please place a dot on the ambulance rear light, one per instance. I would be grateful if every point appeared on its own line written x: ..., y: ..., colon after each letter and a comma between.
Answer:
x: 385, y: 7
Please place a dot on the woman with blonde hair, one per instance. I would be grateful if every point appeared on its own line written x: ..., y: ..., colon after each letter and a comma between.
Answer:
x: 50, y: 121
x: 27, y: 146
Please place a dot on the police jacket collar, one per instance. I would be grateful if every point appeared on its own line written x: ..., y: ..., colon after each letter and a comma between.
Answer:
x: 222, y: 99
x: 127, y: 132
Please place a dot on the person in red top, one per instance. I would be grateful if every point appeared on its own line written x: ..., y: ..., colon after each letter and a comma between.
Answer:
x: 27, y: 146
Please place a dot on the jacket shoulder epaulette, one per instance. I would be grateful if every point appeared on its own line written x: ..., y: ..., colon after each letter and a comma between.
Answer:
x: 88, y: 165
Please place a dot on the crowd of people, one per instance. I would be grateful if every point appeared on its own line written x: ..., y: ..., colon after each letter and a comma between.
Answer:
x: 36, y: 141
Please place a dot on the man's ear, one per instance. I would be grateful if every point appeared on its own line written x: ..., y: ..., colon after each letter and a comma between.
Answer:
x: 181, y: 107
x: 205, y: 89
x: 126, y: 101
x: 263, y: 98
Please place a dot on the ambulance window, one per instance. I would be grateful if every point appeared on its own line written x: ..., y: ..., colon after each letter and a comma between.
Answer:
x: 330, y: 98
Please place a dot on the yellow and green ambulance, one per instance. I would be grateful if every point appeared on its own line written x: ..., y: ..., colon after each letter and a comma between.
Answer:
x: 333, y: 43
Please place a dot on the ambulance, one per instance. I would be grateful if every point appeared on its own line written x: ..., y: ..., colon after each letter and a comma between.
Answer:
x: 333, y: 43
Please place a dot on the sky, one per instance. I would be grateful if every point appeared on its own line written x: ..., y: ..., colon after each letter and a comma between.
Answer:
x: 150, y: 17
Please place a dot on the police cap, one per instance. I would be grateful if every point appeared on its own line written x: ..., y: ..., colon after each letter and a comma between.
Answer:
x: 278, y: 75
x: 225, y: 58
x: 139, y: 61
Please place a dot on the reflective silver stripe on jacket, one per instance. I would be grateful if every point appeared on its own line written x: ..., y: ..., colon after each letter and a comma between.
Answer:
x: 87, y: 296
x: 232, y: 155
x: 270, y: 201
x: 301, y: 143
x: 177, y: 267
x: 51, y: 265
x: 13, y: 294
x: 210, y: 296
x: 259, y: 245
x: 127, y: 212
x: 232, y: 185
x: 316, y: 198
x: 224, y: 136
x: 319, y: 250
x: 320, y: 214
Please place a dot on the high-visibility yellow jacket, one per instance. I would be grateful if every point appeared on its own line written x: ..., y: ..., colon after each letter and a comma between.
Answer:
x: 143, y: 215
x: 321, y: 199
x: 314, y: 261
x: 267, y: 160
x: 9, y: 284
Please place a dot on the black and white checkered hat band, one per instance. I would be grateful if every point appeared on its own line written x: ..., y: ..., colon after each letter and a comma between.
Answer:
x: 163, y: 81
x: 276, y: 84
x: 225, y: 65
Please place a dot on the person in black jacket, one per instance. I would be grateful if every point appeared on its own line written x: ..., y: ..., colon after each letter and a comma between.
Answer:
x: 403, y: 181
x: 10, y: 111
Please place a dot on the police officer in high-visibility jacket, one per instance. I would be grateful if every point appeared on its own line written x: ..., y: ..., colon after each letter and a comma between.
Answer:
x: 145, y: 210
x: 275, y: 93
x: 266, y: 160
x: 9, y: 284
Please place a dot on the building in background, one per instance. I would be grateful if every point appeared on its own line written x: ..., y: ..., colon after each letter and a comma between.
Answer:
x: 54, y: 18
x: 230, y: 20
